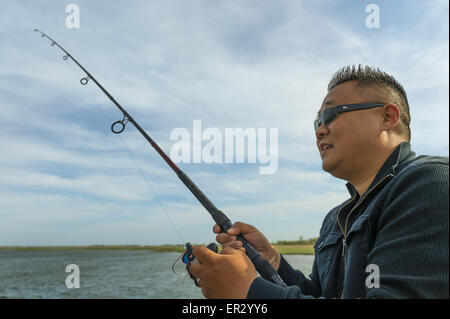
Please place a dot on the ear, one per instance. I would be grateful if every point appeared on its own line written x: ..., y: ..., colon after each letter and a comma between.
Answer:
x: 391, y: 117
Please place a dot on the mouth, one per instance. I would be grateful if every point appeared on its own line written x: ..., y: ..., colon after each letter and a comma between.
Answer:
x: 324, y: 147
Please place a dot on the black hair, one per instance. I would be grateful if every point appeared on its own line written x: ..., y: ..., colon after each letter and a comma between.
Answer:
x: 389, y: 86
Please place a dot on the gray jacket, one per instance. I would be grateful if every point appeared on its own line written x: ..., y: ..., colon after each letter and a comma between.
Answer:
x: 391, y: 242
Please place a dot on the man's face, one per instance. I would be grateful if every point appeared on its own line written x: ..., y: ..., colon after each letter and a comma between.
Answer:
x: 349, y: 142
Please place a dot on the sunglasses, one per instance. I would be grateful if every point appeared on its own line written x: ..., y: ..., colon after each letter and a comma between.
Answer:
x: 329, y: 115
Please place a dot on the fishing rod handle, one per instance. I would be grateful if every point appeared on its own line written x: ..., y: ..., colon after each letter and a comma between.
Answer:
x: 264, y: 268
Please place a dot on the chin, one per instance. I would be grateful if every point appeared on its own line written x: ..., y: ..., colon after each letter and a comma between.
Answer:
x: 333, y: 170
x: 329, y: 167
x: 326, y: 164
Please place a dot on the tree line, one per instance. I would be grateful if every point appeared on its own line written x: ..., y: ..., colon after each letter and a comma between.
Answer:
x: 300, y: 241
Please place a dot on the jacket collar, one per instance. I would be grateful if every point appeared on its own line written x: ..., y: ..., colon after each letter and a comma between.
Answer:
x: 401, y: 153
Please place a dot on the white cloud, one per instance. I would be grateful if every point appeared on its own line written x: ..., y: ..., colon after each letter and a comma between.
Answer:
x: 227, y: 63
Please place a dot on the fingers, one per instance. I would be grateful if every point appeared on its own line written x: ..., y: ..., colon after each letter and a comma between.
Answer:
x: 225, y: 238
x: 204, y: 255
x: 233, y: 244
x: 236, y: 229
x: 231, y: 235
x: 217, y: 229
x: 229, y: 241
x: 232, y: 251
x: 196, y: 270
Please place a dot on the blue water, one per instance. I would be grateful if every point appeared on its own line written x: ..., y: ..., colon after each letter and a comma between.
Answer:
x: 103, y: 274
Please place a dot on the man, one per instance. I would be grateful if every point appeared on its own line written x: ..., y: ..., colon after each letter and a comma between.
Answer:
x: 388, y: 240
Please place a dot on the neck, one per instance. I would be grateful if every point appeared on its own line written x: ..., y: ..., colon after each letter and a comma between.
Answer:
x: 361, y: 186
x: 362, y: 181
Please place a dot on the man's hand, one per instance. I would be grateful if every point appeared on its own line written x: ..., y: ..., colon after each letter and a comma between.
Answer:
x: 225, y: 275
x: 253, y: 236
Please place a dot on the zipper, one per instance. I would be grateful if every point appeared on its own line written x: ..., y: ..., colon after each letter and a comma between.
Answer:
x: 343, y: 247
x: 359, y: 204
x: 339, y: 223
x: 344, y: 230
x: 344, y: 239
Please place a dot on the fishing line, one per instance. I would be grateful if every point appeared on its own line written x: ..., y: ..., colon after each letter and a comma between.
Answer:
x: 262, y: 266
x: 130, y: 154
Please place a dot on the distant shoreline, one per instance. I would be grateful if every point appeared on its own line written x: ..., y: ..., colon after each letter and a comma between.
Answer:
x: 284, y: 249
x: 159, y: 248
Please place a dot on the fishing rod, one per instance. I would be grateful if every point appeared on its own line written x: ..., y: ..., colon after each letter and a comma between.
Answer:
x: 262, y: 266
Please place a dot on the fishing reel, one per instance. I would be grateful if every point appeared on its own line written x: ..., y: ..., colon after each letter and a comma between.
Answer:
x: 189, y: 259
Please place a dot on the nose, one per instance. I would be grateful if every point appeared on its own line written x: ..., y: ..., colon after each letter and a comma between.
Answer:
x: 322, y: 131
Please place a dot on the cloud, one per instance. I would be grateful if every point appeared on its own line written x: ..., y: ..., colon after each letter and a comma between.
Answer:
x: 230, y: 64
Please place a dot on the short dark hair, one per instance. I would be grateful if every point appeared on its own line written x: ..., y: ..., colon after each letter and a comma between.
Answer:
x: 388, y: 85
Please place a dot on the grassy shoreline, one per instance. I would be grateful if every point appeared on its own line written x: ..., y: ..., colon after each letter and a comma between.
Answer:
x: 284, y: 249
x: 159, y: 248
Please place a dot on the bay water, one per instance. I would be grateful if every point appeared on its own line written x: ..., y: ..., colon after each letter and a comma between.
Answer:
x: 102, y: 274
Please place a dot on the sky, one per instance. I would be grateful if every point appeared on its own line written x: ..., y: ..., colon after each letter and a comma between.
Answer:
x: 66, y: 179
